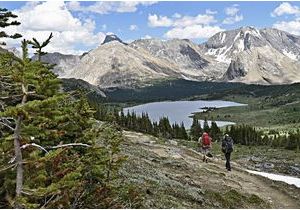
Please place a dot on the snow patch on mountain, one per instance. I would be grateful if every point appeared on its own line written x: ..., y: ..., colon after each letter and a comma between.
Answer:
x: 247, y: 54
x: 290, y: 54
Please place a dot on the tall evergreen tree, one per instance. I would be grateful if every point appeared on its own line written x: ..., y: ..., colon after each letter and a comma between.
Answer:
x: 195, y: 130
x: 183, y: 133
x: 215, y: 131
x: 206, y: 126
x: 165, y: 128
x: 39, y: 46
x: 54, y: 136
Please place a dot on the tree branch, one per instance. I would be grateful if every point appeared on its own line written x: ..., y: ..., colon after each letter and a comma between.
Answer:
x: 9, y: 84
x: 26, y: 193
x: 46, y: 203
x: 2, y: 106
x: 11, y: 97
x: 8, y: 126
x: 8, y: 167
x: 54, y: 147
x: 12, y: 159
x: 69, y: 145
x: 35, y: 145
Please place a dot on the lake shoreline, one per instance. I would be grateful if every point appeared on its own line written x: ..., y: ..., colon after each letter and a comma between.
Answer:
x: 181, y: 111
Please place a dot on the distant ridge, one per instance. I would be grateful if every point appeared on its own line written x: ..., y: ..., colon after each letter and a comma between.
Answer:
x: 247, y: 55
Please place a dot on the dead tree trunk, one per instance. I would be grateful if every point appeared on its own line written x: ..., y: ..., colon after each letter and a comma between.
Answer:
x: 18, y: 155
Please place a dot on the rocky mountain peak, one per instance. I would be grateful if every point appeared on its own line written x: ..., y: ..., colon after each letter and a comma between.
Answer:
x: 246, y: 54
x: 111, y: 38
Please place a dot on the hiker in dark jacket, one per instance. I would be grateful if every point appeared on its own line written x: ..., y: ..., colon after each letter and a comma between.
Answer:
x: 227, y: 148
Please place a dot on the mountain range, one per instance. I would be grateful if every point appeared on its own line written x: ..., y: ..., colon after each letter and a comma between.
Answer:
x: 247, y: 55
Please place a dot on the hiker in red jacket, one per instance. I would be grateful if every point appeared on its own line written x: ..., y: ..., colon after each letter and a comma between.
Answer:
x: 205, y: 145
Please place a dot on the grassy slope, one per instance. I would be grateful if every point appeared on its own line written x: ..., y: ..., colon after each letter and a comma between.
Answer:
x: 259, y: 112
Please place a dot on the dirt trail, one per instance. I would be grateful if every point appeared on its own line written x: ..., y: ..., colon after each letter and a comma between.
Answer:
x: 252, y: 184
x: 175, y: 165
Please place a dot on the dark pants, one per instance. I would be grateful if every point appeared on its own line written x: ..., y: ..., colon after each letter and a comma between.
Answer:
x: 227, y: 156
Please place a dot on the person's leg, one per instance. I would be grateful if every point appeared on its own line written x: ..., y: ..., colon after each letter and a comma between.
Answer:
x: 227, y: 155
x: 227, y: 161
x: 206, y: 153
x: 229, y: 166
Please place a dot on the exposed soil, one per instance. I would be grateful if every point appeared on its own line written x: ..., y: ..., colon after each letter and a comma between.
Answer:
x: 172, y: 176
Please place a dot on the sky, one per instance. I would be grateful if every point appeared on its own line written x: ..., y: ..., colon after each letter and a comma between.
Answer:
x: 81, y: 26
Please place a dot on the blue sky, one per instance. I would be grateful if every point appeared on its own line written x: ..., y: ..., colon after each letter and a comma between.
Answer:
x: 80, y: 26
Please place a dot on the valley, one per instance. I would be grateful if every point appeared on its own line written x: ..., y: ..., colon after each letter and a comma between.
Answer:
x: 269, y: 107
x: 272, y: 110
x: 92, y: 120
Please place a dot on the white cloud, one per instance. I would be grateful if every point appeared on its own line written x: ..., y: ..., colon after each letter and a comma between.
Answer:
x: 210, y: 12
x: 133, y: 27
x: 40, y: 19
x: 232, y: 15
x: 190, y: 20
x: 186, y: 27
x: 292, y: 27
x: 179, y: 20
x: 159, y: 21
x: 231, y: 11
x: 146, y: 37
x: 232, y: 20
x: 177, y: 15
x: 193, y: 32
x: 106, y: 7
x: 285, y: 8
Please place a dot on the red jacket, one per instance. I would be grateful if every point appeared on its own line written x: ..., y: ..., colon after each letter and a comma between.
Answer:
x: 206, y: 140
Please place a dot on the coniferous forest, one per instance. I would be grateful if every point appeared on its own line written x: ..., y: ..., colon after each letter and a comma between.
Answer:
x: 242, y: 134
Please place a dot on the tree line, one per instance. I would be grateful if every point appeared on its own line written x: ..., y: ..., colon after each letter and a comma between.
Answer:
x: 250, y: 136
x: 242, y: 134
x: 163, y: 128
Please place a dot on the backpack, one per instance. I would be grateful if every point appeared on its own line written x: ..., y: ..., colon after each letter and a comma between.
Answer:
x: 206, y: 141
x: 227, y: 145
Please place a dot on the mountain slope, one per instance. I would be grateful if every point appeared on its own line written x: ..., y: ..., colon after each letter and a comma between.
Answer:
x: 115, y: 64
x: 248, y: 55
x: 266, y: 56
x: 64, y: 63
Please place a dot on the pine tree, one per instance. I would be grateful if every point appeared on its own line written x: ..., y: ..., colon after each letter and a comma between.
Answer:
x: 206, y: 126
x: 39, y: 46
x: 5, y: 21
x: 183, y: 133
x: 165, y: 128
x: 195, y: 130
x: 55, y: 136
x: 155, y: 131
x: 215, y: 131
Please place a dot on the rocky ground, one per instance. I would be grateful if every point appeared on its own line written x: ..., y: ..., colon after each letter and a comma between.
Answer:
x: 278, y: 161
x: 168, y: 175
